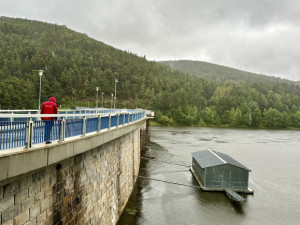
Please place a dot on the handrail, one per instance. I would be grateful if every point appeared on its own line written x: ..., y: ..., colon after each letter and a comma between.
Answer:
x: 32, y: 130
x: 54, y: 115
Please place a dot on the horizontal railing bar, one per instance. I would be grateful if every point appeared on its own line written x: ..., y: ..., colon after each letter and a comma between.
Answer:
x: 68, y: 110
x: 6, y: 115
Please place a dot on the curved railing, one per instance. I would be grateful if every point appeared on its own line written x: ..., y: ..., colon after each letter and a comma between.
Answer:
x: 25, y: 130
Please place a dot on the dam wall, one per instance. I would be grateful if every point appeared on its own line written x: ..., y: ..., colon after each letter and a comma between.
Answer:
x: 86, y: 180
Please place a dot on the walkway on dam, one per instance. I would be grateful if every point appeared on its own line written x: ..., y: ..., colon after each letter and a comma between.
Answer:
x: 24, y: 128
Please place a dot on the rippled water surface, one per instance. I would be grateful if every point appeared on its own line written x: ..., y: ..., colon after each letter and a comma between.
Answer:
x: 273, y: 156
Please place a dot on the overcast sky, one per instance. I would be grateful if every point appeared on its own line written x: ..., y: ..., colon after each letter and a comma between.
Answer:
x: 260, y: 36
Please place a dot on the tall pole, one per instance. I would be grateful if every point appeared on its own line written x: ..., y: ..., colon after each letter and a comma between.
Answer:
x: 115, y: 92
x: 40, y: 74
x: 97, y: 89
x: 111, y: 101
x: 102, y: 100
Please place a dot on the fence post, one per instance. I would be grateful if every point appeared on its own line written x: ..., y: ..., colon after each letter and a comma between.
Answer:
x: 118, y: 117
x: 84, y: 126
x: 12, y: 117
x: 29, y: 133
x: 123, y: 119
x: 99, y: 123
x: 62, y: 130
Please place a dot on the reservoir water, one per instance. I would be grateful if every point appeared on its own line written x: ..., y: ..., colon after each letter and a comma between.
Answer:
x: 272, y: 155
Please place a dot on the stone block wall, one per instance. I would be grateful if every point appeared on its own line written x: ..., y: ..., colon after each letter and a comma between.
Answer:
x: 89, y: 188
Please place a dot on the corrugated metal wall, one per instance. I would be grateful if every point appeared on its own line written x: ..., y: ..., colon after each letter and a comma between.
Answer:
x: 222, y: 176
x: 199, y: 171
x: 227, y: 176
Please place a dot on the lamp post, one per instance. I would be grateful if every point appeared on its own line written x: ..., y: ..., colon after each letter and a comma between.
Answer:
x: 97, y: 89
x: 116, y: 81
x: 102, y: 99
x: 111, y: 101
x: 40, y: 74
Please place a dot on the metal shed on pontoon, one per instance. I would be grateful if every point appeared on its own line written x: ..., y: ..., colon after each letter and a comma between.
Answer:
x: 216, y: 171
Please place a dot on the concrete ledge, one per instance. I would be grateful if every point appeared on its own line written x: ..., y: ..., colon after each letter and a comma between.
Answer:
x: 15, y: 162
x: 3, y: 168
x: 60, y: 152
x: 26, y: 162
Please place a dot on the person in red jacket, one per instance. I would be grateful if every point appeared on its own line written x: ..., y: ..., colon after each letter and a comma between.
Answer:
x: 49, y: 107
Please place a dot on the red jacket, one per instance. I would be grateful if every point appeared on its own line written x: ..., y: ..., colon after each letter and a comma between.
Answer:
x: 49, y: 107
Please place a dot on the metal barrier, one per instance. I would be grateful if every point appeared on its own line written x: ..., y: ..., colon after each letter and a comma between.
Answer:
x: 30, y: 129
x: 12, y: 134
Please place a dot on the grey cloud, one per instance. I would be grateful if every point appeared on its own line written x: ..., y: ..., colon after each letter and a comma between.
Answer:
x: 259, y: 36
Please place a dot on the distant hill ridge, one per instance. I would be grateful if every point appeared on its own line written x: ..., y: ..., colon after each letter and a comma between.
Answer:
x: 212, y: 71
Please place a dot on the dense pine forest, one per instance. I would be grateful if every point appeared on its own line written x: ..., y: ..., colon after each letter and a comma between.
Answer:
x: 187, y: 93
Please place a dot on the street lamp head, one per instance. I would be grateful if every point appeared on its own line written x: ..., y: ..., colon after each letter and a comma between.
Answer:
x: 40, y: 72
x: 112, y: 95
x: 102, y: 93
x: 97, y: 88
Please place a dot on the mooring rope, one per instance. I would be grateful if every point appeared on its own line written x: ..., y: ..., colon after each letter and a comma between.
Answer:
x: 164, y: 161
x: 169, y: 182
x: 175, y: 171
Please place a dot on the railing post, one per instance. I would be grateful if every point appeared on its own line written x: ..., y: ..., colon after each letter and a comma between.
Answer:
x: 123, y: 119
x: 99, y: 123
x: 62, y: 130
x: 118, y: 117
x: 84, y: 126
x: 109, y: 121
x: 12, y: 117
x: 29, y: 133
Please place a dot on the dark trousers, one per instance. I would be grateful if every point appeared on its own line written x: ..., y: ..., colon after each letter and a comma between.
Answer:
x: 48, y: 128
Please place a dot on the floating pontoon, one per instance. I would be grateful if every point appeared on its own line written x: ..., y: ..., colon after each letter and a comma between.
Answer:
x: 215, y: 171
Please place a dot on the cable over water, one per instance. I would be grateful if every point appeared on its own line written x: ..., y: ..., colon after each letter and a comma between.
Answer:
x: 164, y: 162
x: 169, y: 182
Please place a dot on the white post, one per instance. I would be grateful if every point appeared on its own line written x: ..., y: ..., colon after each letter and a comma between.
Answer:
x: 97, y: 89
x: 99, y: 123
x: 116, y: 81
x: 111, y: 101
x: 40, y: 74
x: 62, y: 130
x: 84, y: 126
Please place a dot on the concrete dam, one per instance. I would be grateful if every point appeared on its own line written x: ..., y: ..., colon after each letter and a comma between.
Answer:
x: 86, y: 178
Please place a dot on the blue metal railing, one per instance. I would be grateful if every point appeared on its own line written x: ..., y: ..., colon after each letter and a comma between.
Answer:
x: 121, y: 119
x: 40, y: 130
x: 91, y: 124
x: 24, y: 131
x: 114, y: 121
x: 12, y: 134
x: 74, y: 127
x: 104, y: 123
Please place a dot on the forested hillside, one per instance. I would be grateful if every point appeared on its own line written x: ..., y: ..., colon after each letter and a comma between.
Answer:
x: 212, y: 71
x: 75, y: 65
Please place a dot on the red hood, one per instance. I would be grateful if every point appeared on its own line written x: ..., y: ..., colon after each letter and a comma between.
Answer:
x: 52, y: 99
